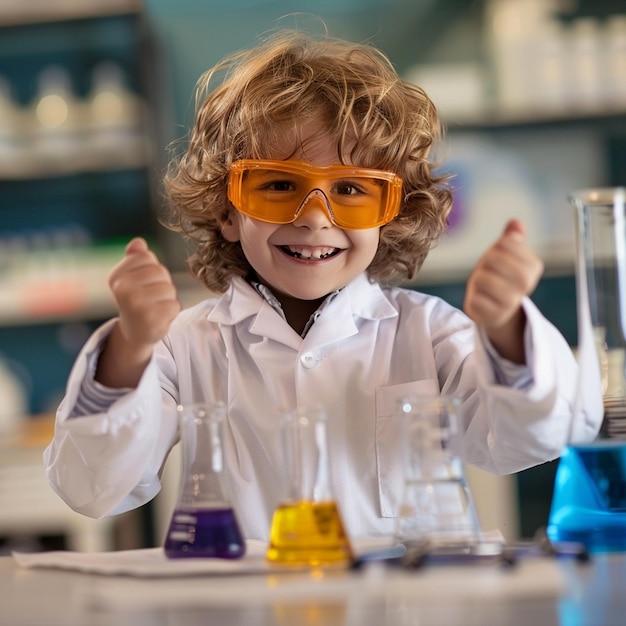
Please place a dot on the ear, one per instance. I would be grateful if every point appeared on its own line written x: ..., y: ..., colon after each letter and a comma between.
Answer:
x: 230, y: 228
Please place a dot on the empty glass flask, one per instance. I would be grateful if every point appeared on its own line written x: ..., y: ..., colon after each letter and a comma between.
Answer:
x: 437, y: 504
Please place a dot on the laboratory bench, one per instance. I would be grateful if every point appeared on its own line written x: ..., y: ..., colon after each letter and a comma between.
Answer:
x: 541, y: 591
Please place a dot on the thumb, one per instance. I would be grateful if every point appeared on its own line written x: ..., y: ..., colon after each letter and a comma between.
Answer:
x: 138, y: 244
x: 515, y: 229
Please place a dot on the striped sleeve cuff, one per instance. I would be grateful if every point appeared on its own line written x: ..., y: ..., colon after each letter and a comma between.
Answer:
x: 506, y: 372
x: 94, y: 397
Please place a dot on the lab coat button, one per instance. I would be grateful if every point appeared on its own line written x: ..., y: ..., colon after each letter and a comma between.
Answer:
x: 308, y: 360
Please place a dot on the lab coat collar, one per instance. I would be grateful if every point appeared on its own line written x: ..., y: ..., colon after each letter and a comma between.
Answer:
x: 339, y: 320
x: 368, y: 299
x: 240, y: 301
x: 360, y: 298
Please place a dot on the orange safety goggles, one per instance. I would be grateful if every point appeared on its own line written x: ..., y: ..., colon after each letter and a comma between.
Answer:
x: 278, y: 191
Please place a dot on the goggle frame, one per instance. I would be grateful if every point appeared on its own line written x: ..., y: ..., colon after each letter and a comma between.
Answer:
x: 393, y: 184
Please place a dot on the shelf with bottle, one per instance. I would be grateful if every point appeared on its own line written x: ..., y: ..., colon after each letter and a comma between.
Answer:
x: 72, y: 95
x: 47, y: 281
x: 68, y: 284
x: 503, y: 119
x: 76, y: 155
x: 76, y: 174
x: 533, y: 66
x: 59, y: 133
x: 59, y: 275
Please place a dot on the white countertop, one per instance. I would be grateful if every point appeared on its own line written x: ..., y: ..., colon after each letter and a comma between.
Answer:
x: 538, y: 591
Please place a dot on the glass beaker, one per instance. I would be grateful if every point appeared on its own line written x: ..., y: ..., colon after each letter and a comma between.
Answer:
x: 589, y: 498
x: 437, y: 503
x: 601, y: 293
x: 204, y: 523
x: 307, y: 528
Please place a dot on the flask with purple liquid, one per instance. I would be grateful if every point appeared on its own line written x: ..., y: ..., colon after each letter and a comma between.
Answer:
x: 204, y: 523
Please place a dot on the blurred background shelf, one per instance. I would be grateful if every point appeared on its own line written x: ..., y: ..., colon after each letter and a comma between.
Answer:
x: 15, y: 12
x: 79, y: 169
x: 501, y: 119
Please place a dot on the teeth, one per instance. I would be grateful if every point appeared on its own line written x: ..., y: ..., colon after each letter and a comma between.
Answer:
x: 307, y: 252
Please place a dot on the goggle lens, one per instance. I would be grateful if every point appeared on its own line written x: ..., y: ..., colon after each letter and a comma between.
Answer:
x: 277, y: 191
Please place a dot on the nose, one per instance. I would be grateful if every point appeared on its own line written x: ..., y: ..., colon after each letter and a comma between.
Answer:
x: 314, y: 212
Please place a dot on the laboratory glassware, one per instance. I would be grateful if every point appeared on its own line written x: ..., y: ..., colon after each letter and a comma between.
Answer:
x: 204, y: 523
x: 307, y: 528
x: 589, y: 498
x: 437, y: 504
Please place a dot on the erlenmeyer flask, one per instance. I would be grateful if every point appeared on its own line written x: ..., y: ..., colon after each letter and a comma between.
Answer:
x: 589, y: 499
x: 204, y: 523
x: 306, y: 526
x: 437, y: 504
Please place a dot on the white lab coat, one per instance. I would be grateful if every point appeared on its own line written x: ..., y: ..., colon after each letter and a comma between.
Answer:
x: 368, y: 349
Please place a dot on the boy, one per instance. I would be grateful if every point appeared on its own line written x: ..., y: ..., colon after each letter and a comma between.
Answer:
x: 307, y: 186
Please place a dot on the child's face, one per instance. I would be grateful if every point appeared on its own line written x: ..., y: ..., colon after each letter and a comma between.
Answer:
x: 310, y: 257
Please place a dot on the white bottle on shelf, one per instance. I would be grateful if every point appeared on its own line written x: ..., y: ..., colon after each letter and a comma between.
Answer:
x: 614, y: 61
x: 547, y: 67
x: 584, y: 85
x: 115, y: 134
x: 56, y: 122
x: 516, y: 33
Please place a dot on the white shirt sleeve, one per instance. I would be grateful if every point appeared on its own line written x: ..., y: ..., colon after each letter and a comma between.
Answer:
x: 94, y: 397
x: 531, y: 424
x: 109, y: 461
x: 513, y: 375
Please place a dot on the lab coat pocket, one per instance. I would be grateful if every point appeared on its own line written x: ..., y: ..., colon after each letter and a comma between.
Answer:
x: 389, y: 454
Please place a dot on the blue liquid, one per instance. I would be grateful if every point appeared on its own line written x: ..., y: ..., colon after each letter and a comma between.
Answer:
x: 204, y: 533
x: 589, y: 500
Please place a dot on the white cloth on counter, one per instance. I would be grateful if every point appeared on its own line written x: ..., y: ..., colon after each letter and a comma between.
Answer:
x: 148, y: 563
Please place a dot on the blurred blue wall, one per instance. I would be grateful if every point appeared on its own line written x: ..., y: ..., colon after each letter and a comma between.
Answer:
x: 195, y: 34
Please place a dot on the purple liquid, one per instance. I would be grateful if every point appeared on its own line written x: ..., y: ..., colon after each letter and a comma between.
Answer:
x: 204, y: 533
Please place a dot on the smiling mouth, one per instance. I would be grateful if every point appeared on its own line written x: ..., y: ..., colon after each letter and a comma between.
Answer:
x: 309, y: 253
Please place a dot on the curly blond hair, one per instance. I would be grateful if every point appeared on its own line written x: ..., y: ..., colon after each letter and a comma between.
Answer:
x: 378, y: 119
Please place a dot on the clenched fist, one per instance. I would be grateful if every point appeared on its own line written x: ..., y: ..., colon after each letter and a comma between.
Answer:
x: 145, y: 295
x: 508, y: 271
x: 147, y: 303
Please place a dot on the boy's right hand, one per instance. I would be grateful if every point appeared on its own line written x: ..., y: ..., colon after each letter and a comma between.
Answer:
x: 147, y: 303
x: 145, y: 295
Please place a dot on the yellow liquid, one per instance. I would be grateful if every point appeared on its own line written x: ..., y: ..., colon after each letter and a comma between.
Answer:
x: 308, y: 533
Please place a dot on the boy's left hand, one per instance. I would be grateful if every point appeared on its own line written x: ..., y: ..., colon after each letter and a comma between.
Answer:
x: 508, y: 271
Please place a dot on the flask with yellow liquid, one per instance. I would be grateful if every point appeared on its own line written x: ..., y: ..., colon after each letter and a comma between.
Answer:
x: 306, y: 527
